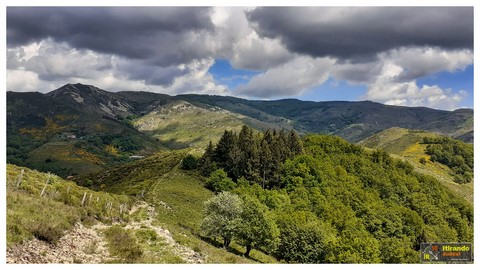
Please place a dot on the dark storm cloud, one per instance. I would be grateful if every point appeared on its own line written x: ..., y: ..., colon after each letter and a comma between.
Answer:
x: 137, y: 70
x: 360, y: 33
x: 139, y: 33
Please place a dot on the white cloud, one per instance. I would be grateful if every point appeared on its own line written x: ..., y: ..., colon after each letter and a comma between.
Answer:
x: 53, y: 61
x: 422, y: 61
x: 290, y: 79
x: 47, y: 65
x: 388, y: 90
x: 179, y: 63
x: 256, y: 53
x: 236, y: 40
x: 21, y: 80
x: 197, y: 80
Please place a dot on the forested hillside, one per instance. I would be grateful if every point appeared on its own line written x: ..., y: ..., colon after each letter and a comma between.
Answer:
x: 337, y: 202
x: 457, y: 155
x: 424, y: 150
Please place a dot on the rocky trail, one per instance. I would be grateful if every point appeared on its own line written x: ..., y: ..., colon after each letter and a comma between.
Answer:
x: 87, y: 245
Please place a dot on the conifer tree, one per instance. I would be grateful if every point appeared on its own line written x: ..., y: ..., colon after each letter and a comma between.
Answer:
x: 206, y: 163
x: 295, y: 144
x: 224, y: 147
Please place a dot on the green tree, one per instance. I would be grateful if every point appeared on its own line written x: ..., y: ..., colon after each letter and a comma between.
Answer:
x: 219, y: 181
x: 295, y: 144
x: 189, y: 162
x: 305, y: 239
x: 265, y: 161
x: 206, y: 163
x: 225, y: 145
x: 222, y: 216
x: 249, y: 155
x: 257, y: 227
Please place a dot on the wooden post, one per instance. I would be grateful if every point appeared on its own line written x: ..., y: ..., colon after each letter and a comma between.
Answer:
x: 90, y: 198
x: 143, y: 192
x: 19, y: 180
x: 68, y: 189
x: 84, y: 196
x: 45, y: 186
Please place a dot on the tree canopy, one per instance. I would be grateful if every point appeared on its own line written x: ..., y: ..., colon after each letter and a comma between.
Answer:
x: 337, y: 202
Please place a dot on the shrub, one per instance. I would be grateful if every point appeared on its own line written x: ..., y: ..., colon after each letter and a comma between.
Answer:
x: 423, y: 160
x: 219, y: 181
x: 121, y: 243
x: 189, y: 163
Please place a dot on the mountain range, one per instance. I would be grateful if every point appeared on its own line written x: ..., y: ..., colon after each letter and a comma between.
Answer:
x: 80, y: 128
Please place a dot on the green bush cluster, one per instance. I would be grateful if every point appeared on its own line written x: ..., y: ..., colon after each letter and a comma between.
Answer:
x: 457, y: 155
x: 122, y: 243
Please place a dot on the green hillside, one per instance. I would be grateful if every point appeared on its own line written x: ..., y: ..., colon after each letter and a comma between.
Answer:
x: 181, y: 125
x: 47, y: 217
x: 350, y: 205
x: 407, y: 144
x: 178, y: 198
x: 343, y: 203
x: 67, y: 139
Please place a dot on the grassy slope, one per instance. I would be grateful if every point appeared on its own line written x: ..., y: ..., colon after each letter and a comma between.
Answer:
x: 178, y: 197
x: 181, y: 125
x: 63, y: 154
x: 47, y: 217
x: 405, y: 144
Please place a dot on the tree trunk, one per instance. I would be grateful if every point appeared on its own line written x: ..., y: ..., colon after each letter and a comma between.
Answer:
x: 249, y: 247
x: 226, y: 242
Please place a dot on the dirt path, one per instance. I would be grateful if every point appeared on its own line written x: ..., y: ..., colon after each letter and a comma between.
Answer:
x: 186, y: 253
x: 87, y: 245
x: 80, y: 245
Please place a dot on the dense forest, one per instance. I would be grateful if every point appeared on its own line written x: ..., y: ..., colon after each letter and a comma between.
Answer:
x: 324, y: 200
x: 457, y: 155
x: 255, y: 157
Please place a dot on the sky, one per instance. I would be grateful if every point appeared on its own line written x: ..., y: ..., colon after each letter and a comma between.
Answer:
x: 409, y: 56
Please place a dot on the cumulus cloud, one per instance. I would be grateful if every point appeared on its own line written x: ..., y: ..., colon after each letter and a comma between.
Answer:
x: 53, y: 61
x: 362, y: 32
x: 235, y: 40
x: 422, y: 61
x: 388, y: 90
x: 160, y: 34
x: 170, y: 49
x: 290, y: 79
x: 46, y: 65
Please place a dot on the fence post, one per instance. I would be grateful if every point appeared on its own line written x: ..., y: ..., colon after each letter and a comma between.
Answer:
x: 19, y: 180
x: 84, y: 196
x: 45, y: 186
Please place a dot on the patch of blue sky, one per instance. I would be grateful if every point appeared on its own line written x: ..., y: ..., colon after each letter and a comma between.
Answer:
x: 456, y: 81
x: 334, y: 89
x: 223, y: 73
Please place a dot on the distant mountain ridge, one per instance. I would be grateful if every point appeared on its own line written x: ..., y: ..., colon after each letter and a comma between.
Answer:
x: 353, y: 121
x: 83, y: 128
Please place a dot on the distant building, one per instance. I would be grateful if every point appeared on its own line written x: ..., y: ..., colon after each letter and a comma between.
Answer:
x: 72, y: 137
